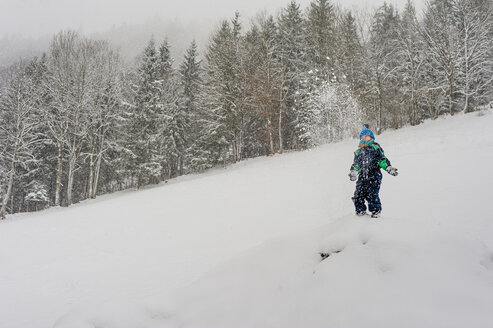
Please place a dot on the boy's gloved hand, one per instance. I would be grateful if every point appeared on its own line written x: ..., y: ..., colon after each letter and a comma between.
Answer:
x: 392, y: 170
x: 353, y: 175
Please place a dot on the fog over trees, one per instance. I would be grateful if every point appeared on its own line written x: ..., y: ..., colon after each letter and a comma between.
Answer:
x: 85, y: 118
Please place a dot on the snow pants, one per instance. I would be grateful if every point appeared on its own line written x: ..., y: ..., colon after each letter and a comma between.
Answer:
x: 368, y: 189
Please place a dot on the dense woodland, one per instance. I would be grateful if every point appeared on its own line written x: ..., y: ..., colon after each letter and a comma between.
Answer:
x: 78, y: 121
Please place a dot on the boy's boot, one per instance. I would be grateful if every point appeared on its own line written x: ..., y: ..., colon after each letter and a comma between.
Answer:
x: 375, y: 214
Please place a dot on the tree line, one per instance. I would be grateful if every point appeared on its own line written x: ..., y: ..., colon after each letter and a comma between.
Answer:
x: 78, y: 121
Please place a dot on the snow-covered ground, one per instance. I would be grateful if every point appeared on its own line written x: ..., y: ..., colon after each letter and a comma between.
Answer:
x: 240, y: 247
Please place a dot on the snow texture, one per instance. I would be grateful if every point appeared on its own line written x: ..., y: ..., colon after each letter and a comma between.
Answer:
x: 241, y: 247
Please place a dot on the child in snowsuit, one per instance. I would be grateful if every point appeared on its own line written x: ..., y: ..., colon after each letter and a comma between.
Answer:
x: 368, y: 159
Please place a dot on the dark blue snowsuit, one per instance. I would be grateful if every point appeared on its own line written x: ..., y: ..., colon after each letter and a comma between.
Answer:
x: 367, y: 162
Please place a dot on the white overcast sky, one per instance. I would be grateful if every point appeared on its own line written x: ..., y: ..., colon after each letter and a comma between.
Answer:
x: 35, y: 18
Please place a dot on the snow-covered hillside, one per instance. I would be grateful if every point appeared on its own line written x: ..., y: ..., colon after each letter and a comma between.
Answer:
x: 240, y: 247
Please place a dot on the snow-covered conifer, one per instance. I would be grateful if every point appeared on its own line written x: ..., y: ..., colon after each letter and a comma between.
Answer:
x: 293, y: 58
x: 225, y: 100
x: 191, y: 86
x: 321, y: 38
x: 411, y: 66
x: 145, y: 157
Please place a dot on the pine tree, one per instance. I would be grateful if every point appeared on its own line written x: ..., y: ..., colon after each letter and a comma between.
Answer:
x: 349, y: 52
x: 321, y: 38
x: 266, y: 82
x: 173, y: 118
x: 225, y: 99
x: 411, y: 64
x: 191, y: 84
x: 292, y: 55
x: 382, y: 62
x: 145, y: 156
x: 190, y: 78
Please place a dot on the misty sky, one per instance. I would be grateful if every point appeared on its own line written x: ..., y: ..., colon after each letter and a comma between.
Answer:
x: 35, y: 18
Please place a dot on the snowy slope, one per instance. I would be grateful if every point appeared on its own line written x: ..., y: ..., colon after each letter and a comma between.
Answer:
x: 252, y: 233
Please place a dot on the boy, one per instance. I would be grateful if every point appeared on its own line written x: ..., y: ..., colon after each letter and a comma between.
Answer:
x: 368, y: 159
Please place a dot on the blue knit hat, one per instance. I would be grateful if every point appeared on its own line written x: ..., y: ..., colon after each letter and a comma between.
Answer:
x: 366, y: 132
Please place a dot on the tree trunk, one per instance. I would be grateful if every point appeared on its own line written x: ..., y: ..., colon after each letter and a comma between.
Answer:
x: 451, y: 92
x: 10, y: 184
x: 467, y: 108
x: 3, y: 183
x: 70, y: 183
x: 59, y: 175
x: 271, y: 139
x: 379, y: 120
x: 413, y: 108
x: 139, y: 181
x: 181, y: 165
x: 329, y: 129
x: 91, y: 176
x: 235, y: 148
x: 280, y: 129
x: 240, y: 151
x: 96, y: 176
x: 98, y: 163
